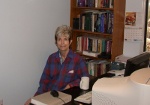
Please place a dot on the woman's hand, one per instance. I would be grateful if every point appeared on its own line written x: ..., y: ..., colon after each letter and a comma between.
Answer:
x: 67, y: 87
x: 28, y: 102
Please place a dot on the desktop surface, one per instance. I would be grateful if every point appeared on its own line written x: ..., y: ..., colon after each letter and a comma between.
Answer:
x: 76, y: 91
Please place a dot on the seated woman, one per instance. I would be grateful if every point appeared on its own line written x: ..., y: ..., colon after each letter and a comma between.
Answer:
x: 64, y: 68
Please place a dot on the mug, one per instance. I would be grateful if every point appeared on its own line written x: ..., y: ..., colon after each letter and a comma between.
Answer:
x: 84, y: 83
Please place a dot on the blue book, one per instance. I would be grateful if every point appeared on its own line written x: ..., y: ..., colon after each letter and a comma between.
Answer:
x: 81, y: 3
x: 90, y: 3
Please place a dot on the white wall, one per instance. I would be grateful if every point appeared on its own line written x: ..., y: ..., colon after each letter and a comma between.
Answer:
x: 26, y: 40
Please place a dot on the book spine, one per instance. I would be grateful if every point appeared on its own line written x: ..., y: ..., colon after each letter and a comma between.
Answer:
x: 81, y: 3
x: 103, y: 45
x: 89, y: 44
x: 83, y: 22
x: 75, y: 23
x: 100, y: 45
x: 94, y: 45
x: 110, y: 23
x: 79, y: 44
x: 111, y: 3
x: 96, y: 3
x: 88, y: 21
x: 108, y: 46
x: 99, y: 70
x: 91, y: 3
x: 95, y: 21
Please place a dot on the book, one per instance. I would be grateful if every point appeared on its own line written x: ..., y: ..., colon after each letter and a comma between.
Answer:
x: 81, y: 3
x: 96, y: 3
x: 90, y: 41
x: 82, y: 21
x: 113, y: 19
x: 111, y: 3
x: 99, y: 45
x: 108, y: 46
x: 76, y: 23
x: 48, y: 99
x: 94, y: 45
x: 97, y: 67
x: 90, y: 53
x: 103, y: 45
x: 88, y: 21
x: 94, y: 20
x: 91, y: 3
x: 110, y: 23
x: 79, y: 43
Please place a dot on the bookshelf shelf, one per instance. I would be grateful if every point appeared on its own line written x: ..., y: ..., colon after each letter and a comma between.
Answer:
x: 117, y: 35
x: 94, y: 33
x: 93, y: 8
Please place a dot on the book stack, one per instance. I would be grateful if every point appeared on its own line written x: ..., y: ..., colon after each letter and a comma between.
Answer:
x: 93, y: 46
x: 95, y: 21
x: 98, y: 67
x: 95, y: 3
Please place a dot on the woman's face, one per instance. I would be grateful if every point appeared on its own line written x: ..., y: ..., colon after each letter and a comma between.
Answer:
x: 63, y: 43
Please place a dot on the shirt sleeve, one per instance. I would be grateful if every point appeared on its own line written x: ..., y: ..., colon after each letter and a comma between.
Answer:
x: 44, y: 81
x: 81, y: 71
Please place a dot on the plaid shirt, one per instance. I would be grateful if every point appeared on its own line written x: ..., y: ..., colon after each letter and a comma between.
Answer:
x: 57, y: 76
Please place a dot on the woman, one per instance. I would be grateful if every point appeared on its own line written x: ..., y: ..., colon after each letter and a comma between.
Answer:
x: 64, y: 68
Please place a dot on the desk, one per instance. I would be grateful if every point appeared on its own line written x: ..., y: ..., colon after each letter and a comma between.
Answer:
x: 76, y: 91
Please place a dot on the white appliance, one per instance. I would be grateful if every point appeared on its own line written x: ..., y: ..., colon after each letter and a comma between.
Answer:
x: 131, y: 90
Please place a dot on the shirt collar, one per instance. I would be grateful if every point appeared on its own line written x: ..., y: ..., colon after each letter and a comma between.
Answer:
x: 70, y: 54
x: 61, y: 60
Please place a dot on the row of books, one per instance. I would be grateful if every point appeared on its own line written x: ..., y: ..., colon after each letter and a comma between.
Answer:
x: 98, y: 67
x: 95, y: 3
x: 93, y: 46
x: 95, y: 21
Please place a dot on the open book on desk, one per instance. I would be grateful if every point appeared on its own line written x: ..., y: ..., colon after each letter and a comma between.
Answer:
x: 48, y: 99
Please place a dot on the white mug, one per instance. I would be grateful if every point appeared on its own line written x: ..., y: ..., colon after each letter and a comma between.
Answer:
x: 84, y: 83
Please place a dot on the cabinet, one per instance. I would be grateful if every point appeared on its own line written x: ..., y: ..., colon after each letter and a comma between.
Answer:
x: 117, y: 35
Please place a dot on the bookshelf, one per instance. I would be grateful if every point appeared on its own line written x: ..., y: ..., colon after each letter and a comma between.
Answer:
x: 117, y: 36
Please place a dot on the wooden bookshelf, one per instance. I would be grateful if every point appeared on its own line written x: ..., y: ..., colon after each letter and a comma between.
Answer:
x: 118, y: 26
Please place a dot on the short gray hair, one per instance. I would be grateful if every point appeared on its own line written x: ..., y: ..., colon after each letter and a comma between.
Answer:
x: 63, y: 30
